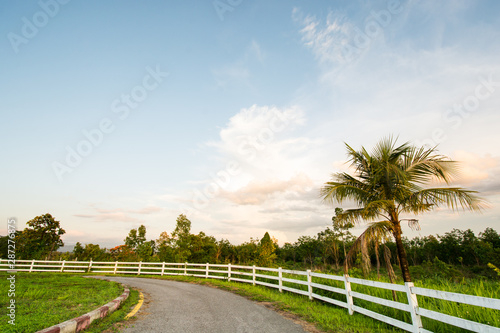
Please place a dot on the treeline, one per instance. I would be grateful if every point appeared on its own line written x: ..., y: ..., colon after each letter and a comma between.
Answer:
x: 461, y: 249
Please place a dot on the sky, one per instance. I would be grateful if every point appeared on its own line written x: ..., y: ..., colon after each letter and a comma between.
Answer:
x: 236, y: 112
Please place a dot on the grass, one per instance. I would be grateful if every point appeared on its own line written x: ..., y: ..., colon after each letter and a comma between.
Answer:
x: 324, y: 317
x: 112, y: 322
x: 331, y: 318
x: 46, y: 299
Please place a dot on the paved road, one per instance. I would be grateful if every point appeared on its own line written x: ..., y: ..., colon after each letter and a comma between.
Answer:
x: 183, y: 307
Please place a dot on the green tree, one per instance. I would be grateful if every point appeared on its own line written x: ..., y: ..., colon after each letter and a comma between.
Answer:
x: 267, y: 250
x: 248, y: 252
x: 341, y: 229
x: 393, y: 181
x: 136, y: 237
x: 40, y: 239
x: 4, y: 244
x: 308, y: 249
x: 182, y: 238
x: 164, y: 246
x: 90, y: 251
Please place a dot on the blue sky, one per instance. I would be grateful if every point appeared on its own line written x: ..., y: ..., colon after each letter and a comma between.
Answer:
x: 235, y: 112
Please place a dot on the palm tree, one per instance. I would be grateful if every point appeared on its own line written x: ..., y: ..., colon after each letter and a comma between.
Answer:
x: 394, y: 181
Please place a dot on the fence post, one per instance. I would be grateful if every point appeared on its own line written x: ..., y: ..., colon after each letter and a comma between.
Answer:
x: 280, y: 279
x: 309, y: 284
x: 62, y: 266
x: 206, y: 271
x: 185, y: 268
x: 412, y: 301
x: 229, y: 272
x: 253, y: 275
x: 32, y: 264
x: 139, y: 270
x: 348, y: 295
x: 116, y: 267
x: 90, y: 265
x: 162, y: 268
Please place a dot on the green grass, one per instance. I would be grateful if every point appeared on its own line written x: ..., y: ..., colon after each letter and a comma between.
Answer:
x: 46, y: 299
x: 324, y: 317
x: 331, y: 318
x: 110, y: 321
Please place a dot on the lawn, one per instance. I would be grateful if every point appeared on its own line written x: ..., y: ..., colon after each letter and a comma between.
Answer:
x: 46, y: 299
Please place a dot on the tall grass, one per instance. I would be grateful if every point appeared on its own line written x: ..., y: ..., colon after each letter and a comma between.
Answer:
x: 436, y: 281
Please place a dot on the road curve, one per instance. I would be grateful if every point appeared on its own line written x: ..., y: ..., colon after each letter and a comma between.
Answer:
x: 185, y: 307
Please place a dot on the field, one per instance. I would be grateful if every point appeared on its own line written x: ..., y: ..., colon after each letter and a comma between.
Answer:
x: 46, y: 299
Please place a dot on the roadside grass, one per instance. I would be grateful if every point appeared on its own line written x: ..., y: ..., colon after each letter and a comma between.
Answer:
x: 331, y: 318
x: 323, y: 316
x: 116, y: 320
x: 46, y: 299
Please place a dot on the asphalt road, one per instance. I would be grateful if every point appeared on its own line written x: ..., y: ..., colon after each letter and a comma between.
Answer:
x: 172, y: 306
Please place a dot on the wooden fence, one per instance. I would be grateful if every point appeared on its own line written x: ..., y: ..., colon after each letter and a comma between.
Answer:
x: 333, y: 289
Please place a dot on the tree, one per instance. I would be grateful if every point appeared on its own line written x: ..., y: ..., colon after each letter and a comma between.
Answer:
x: 182, y: 238
x: 90, y: 251
x: 267, y: 250
x: 393, y: 181
x: 164, y: 247
x: 123, y: 253
x: 307, y: 248
x: 341, y: 228
x: 41, y: 238
x: 136, y: 237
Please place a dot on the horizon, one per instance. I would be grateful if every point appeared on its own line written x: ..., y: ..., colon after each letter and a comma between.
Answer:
x: 236, y: 113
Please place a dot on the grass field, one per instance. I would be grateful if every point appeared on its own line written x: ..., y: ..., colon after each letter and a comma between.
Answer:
x: 334, y: 319
x: 46, y: 299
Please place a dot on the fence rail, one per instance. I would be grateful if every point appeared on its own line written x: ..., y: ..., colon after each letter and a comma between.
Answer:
x: 299, y: 282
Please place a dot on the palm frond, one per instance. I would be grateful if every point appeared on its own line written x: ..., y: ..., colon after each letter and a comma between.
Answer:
x: 376, y: 232
x: 452, y: 197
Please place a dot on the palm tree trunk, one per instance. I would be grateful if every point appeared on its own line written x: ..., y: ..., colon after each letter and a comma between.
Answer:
x: 403, y: 261
x: 378, y: 260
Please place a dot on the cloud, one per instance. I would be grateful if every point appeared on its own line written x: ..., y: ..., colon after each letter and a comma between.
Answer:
x: 481, y: 173
x: 119, y: 215
x: 146, y: 210
x: 258, y: 192
x: 109, y: 216
x: 327, y: 40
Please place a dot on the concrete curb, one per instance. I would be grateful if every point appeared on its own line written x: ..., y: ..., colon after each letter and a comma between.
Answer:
x: 80, y: 323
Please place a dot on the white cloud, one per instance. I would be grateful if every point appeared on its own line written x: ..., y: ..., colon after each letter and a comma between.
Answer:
x: 327, y: 41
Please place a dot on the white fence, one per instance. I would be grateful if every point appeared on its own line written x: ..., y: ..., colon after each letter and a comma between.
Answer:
x: 332, y: 289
